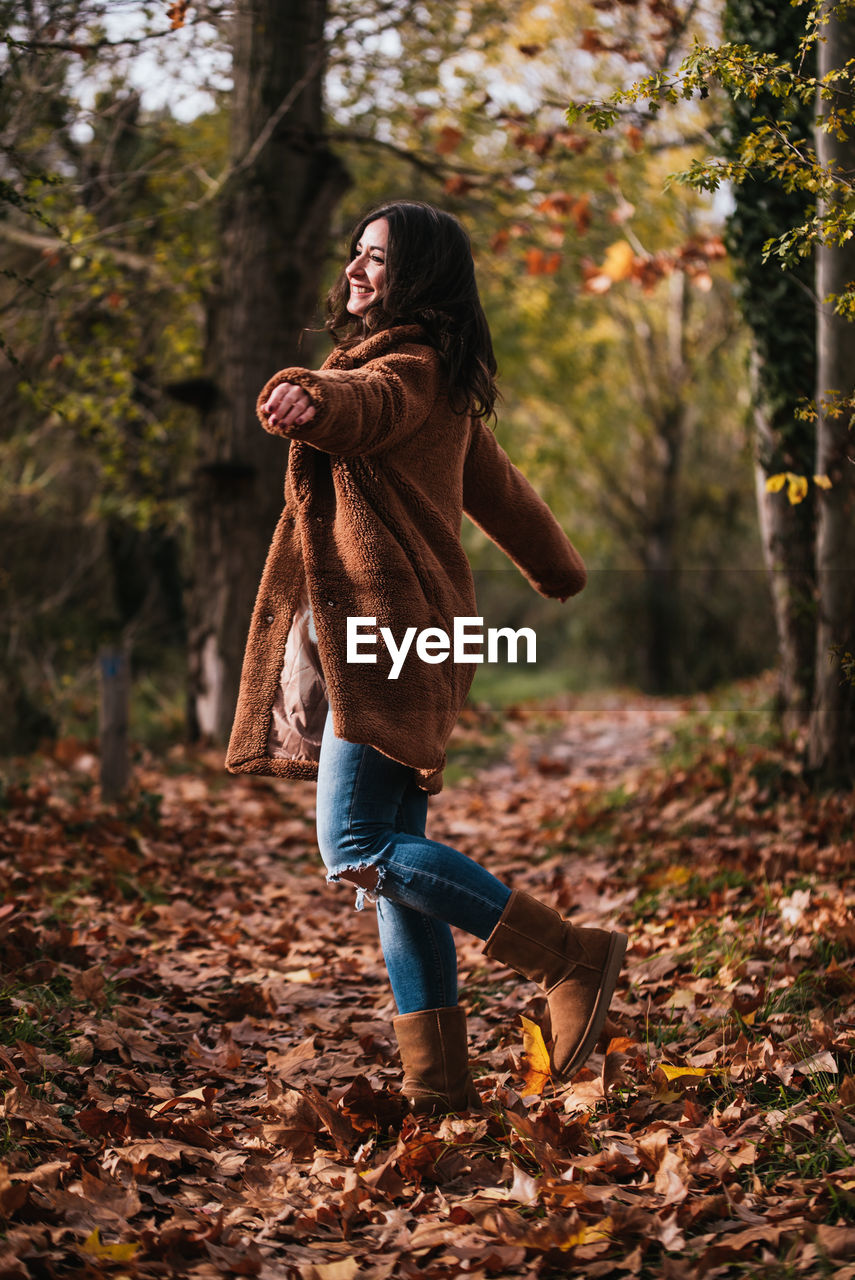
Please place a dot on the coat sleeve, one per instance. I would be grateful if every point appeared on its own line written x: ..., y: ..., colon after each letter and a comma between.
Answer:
x: 364, y: 410
x: 499, y: 499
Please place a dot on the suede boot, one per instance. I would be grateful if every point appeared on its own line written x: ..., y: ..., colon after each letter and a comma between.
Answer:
x: 576, y: 968
x: 435, y: 1055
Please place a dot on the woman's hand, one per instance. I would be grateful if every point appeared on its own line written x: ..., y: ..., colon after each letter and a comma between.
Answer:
x: 288, y: 406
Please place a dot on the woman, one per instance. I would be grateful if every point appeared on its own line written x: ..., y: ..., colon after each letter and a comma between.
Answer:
x: 388, y: 447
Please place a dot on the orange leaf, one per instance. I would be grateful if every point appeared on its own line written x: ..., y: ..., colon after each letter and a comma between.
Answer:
x: 536, y: 1056
x: 177, y: 12
x: 457, y: 185
x: 449, y: 140
x: 559, y: 203
x: 572, y: 141
x: 592, y: 41
x: 539, y: 143
x: 582, y: 214
x: 619, y: 260
x: 539, y: 263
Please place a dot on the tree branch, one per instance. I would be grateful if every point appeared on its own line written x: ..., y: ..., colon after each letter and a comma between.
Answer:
x: 95, y: 46
x: 217, y: 185
x: 51, y: 244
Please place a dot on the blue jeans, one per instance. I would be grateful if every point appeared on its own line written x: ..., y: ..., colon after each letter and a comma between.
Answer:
x: 371, y: 832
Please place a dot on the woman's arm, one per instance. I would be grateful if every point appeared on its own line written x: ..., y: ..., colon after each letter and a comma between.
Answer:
x: 499, y: 499
x: 354, y: 411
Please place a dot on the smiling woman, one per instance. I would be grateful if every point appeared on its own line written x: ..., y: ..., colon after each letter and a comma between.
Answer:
x: 366, y: 271
x: 426, y: 277
x: 389, y: 446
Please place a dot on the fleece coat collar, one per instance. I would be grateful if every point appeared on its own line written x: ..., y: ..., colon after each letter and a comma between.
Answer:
x: 376, y: 486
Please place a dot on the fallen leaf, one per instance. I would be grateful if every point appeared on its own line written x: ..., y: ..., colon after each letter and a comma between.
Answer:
x: 116, y: 1252
x: 536, y: 1056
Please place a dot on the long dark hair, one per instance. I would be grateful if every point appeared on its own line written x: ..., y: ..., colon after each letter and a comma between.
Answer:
x: 430, y: 281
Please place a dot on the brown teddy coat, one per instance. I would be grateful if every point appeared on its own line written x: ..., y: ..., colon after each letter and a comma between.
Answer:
x: 376, y: 485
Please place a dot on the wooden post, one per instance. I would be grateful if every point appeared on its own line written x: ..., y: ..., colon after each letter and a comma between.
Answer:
x: 114, y: 691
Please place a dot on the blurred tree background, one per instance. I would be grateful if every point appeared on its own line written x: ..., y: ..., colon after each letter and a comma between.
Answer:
x: 132, y: 166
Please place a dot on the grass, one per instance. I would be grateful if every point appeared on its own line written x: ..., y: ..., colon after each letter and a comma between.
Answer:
x: 792, y: 1151
x: 468, y: 759
x: 502, y: 684
x: 803, y: 997
x: 30, y: 1014
x: 742, y: 715
x: 38, y: 1015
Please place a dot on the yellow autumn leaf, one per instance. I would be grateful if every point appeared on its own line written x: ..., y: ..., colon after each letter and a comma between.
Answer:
x: 534, y: 1047
x: 118, y: 1252
x: 822, y: 482
x: 619, y: 259
x: 774, y: 484
x: 538, y: 1070
x: 590, y: 1234
x: 673, y: 875
x: 674, y: 1073
x: 797, y: 487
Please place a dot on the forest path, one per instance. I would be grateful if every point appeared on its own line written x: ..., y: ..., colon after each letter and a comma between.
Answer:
x: 197, y: 1061
x: 603, y: 738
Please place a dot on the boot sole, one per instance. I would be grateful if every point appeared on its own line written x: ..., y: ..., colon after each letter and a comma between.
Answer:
x: 611, y: 973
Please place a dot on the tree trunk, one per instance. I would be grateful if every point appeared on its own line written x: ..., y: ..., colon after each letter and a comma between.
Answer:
x: 779, y: 309
x: 787, y: 534
x: 831, y: 748
x: 275, y: 224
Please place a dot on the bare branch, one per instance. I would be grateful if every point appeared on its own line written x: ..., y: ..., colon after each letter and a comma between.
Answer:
x: 91, y: 48
x: 52, y: 244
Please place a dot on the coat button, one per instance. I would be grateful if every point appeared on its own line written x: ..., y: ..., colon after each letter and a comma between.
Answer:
x: 268, y: 617
x: 331, y: 603
x: 319, y: 519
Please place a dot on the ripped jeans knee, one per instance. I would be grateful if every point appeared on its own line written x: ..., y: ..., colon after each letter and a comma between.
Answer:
x: 371, y: 831
x: 365, y: 802
x: 358, y: 862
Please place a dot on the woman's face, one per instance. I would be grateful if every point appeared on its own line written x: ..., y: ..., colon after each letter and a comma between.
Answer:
x: 366, y: 272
